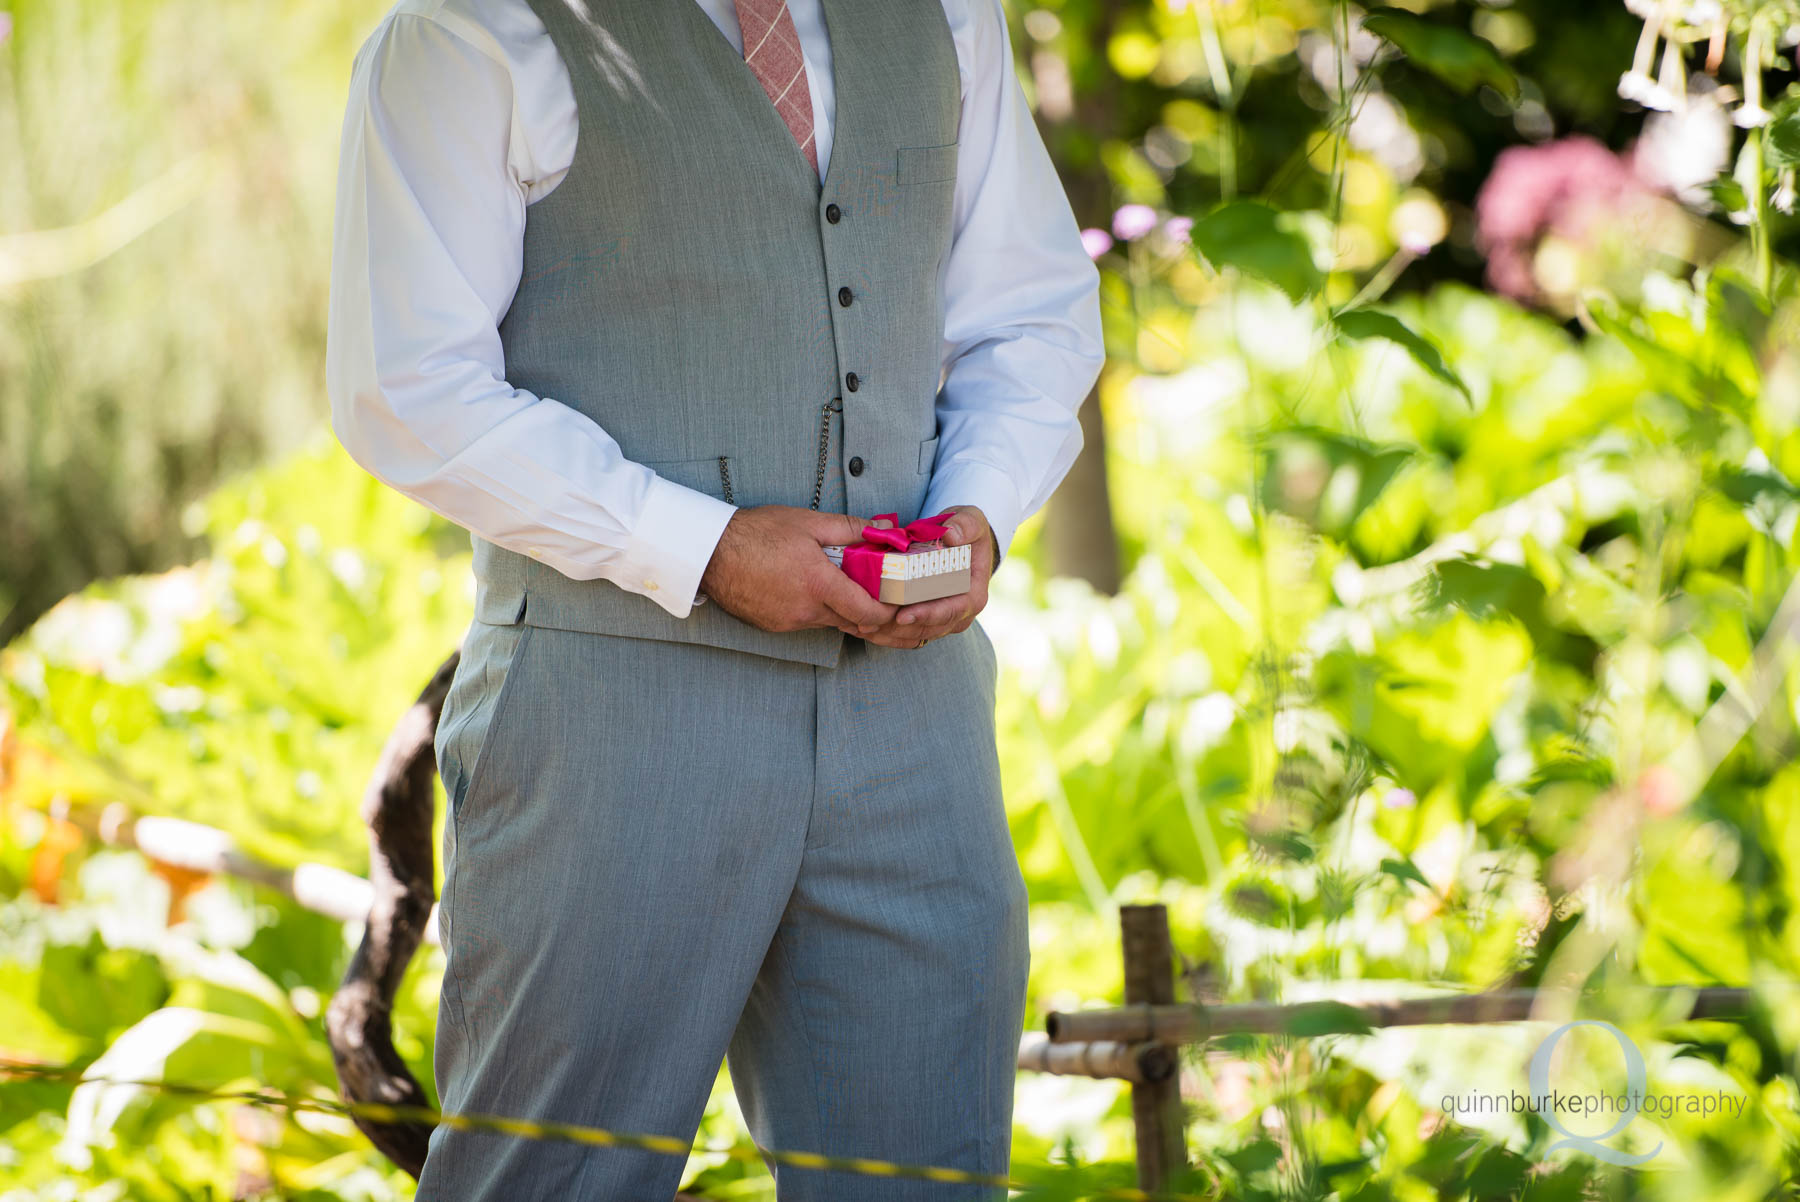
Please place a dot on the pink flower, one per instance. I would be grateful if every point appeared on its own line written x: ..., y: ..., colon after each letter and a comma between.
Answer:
x: 1133, y: 221
x: 1399, y: 799
x: 1178, y: 229
x: 1565, y: 188
x: 1660, y: 791
x: 1096, y: 242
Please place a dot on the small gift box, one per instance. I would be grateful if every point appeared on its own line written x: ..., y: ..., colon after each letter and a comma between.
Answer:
x: 907, y: 563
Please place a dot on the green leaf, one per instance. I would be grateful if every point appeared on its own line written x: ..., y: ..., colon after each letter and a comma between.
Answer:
x: 1260, y: 901
x: 182, y: 1045
x: 1498, y: 1173
x: 1361, y: 324
x: 95, y: 991
x: 1728, y: 194
x: 1326, y: 1018
x: 1706, y: 364
x: 1406, y: 870
x: 1460, y: 59
x: 1259, y: 242
x: 1326, y: 479
x: 1783, y: 145
x: 1284, y: 845
x: 1255, y: 1158
x: 1424, y: 698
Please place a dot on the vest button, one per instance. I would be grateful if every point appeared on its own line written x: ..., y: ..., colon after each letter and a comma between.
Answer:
x: 852, y: 382
x: 833, y: 214
x: 845, y: 296
x: 856, y: 465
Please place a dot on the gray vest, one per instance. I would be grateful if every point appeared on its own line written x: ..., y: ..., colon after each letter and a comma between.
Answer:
x: 736, y: 326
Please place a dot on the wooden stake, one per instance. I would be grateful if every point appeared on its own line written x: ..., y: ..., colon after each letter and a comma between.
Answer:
x: 1156, y: 1112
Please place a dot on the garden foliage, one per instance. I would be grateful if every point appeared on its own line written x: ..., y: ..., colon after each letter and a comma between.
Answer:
x: 1454, y: 653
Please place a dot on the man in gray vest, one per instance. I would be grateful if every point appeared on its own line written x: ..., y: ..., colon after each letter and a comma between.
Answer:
x: 652, y: 296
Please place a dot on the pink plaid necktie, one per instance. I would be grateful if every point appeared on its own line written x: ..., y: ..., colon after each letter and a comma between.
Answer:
x: 772, y: 52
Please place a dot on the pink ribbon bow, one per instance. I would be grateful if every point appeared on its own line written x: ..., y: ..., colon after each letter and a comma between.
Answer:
x: 862, y: 560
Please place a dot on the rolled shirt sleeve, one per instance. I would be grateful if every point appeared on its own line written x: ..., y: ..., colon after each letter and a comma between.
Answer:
x: 427, y: 253
x: 1022, y: 339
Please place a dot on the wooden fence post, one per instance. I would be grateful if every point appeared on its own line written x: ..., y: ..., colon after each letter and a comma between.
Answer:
x: 1156, y: 1113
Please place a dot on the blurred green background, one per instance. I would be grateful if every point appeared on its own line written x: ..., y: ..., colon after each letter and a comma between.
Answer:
x: 1418, y: 618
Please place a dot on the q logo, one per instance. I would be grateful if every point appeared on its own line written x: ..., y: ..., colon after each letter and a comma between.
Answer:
x: 1635, y: 1079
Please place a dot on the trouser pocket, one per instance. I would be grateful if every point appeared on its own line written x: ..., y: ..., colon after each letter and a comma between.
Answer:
x: 479, y: 698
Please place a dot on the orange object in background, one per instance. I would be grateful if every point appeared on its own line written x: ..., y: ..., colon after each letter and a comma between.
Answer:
x: 60, y: 838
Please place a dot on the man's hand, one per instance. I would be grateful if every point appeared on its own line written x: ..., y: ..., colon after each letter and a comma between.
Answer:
x: 768, y: 569
x: 917, y: 624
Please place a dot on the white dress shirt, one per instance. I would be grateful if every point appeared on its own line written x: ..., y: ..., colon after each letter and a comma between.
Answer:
x: 461, y: 115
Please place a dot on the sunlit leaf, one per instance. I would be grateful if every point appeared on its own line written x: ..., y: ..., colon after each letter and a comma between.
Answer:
x: 1460, y: 59
x: 1372, y: 323
x: 1325, y: 478
x: 1424, y: 698
x: 1260, y: 242
x: 97, y: 991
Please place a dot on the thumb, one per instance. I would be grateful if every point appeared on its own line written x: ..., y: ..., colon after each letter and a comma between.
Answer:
x: 964, y: 526
x: 836, y: 529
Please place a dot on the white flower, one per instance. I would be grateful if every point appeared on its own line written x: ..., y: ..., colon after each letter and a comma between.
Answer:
x: 1750, y: 117
x: 1639, y: 87
x: 1685, y: 151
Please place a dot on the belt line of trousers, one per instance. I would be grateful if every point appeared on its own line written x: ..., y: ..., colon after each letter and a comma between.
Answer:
x: 659, y: 856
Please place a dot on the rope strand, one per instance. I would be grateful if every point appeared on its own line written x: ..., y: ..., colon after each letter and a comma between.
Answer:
x: 534, y: 1129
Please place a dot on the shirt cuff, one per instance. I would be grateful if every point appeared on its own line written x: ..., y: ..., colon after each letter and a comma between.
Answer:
x: 988, y: 489
x: 671, y: 544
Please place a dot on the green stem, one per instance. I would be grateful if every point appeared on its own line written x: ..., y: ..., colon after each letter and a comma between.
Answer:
x: 1140, y: 280
x: 1219, y: 72
x: 1759, y: 216
x: 1759, y: 191
x: 1340, y: 144
x: 1062, y: 816
x: 1191, y: 804
x: 1645, y: 54
x: 1381, y: 281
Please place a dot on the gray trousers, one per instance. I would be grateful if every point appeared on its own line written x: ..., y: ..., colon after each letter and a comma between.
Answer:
x: 662, y: 855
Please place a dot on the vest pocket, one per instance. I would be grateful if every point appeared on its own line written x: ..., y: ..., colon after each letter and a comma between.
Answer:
x: 927, y: 164
x: 710, y: 474
x: 927, y: 456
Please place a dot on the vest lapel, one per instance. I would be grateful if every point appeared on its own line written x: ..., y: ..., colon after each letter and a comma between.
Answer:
x: 722, y: 57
